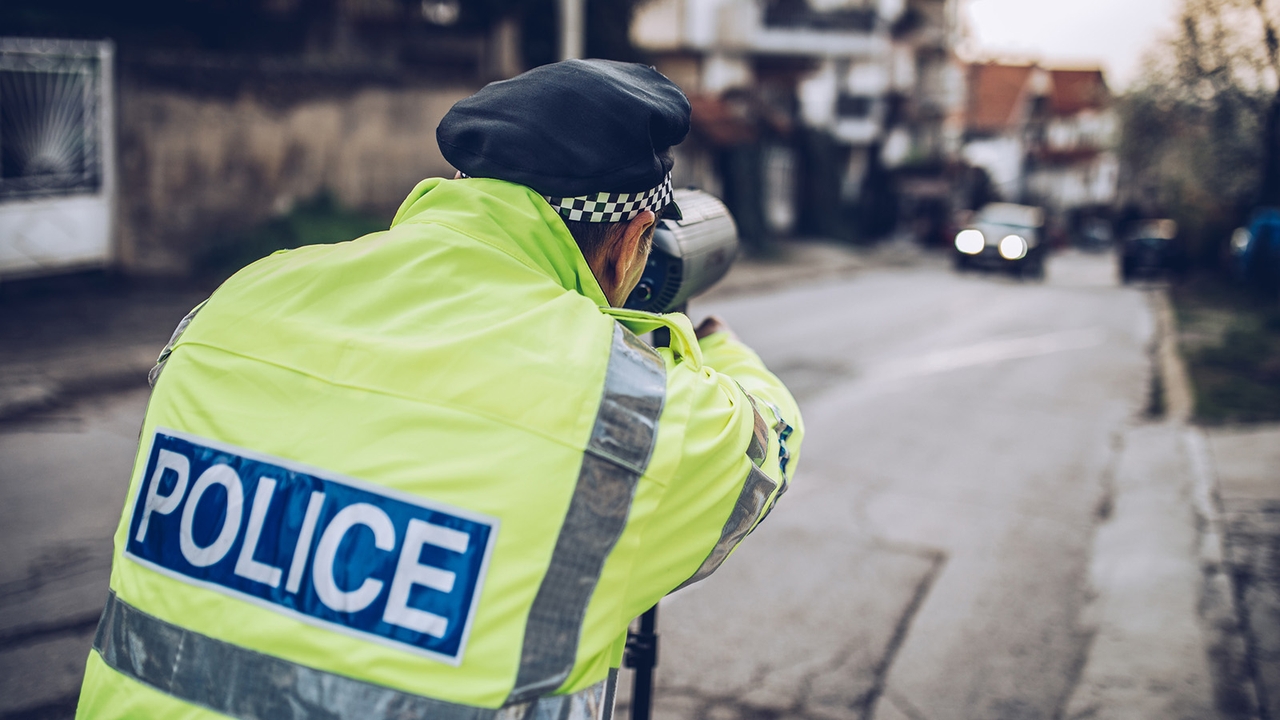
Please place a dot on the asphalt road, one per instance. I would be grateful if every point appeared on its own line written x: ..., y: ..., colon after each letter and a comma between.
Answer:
x: 63, y: 477
x: 933, y: 559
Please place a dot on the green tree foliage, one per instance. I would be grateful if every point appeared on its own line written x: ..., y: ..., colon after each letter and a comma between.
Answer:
x: 1198, y: 139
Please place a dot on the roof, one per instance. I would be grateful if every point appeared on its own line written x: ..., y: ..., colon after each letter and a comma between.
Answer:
x: 997, y: 93
x: 994, y: 95
x: 720, y: 122
x: 1076, y: 90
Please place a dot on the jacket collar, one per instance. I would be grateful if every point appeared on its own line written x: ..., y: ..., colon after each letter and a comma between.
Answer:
x: 511, y: 218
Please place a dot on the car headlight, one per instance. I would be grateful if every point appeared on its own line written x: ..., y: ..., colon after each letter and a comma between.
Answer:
x: 1240, y: 241
x: 1013, y: 247
x: 970, y: 242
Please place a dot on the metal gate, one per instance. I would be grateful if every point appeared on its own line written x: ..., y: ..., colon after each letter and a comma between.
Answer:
x: 56, y: 155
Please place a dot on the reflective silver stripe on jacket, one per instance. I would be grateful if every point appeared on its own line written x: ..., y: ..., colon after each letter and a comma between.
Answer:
x: 617, y: 454
x: 245, y: 684
x: 755, y: 491
x: 758, y: 448
x: 154, y: 374
x: 784, y: 433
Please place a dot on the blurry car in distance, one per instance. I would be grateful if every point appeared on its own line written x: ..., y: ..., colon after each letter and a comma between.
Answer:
x: 1095, y: 234
x: 1256, y: 249
x: 1003, y: 236
x: 1150, y: 250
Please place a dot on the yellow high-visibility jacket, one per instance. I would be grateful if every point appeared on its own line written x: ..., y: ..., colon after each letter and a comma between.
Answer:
x: 425, y: 473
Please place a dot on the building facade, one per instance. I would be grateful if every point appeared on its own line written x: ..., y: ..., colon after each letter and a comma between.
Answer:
x: 1044, y: 136
x: 827, y: 97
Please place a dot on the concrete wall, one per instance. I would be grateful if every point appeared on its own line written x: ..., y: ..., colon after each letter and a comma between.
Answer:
x: 195, y: 168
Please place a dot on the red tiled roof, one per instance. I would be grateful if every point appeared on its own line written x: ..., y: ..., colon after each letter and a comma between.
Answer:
x: 997, y: 94
x: 1068, y: 157
x: 721, y: 123
x: 994, y: 94
x: 1076, y: 90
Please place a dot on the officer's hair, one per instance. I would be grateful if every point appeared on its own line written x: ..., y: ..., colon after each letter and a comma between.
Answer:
x: 593, y: 237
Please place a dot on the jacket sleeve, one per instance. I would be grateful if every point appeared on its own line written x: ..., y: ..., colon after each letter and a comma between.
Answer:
x: 740, y: 445
x: 734, y: 359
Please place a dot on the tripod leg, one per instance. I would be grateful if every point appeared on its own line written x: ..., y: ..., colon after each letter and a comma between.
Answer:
x: 642, y: 656
x: 642, y: 646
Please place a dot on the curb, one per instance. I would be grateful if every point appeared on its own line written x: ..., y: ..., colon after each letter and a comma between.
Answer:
x: 1234, y: 686
x: 1227, y: 646
x: 1165, y: 636
x: 1179, y: 398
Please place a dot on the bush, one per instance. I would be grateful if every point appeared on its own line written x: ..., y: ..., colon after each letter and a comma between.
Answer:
x: 1238, y: 378
x: 316, y: 221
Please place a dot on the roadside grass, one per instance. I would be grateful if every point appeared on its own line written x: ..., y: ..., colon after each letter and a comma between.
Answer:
x: 315, y: 221
x: 1231, y: 342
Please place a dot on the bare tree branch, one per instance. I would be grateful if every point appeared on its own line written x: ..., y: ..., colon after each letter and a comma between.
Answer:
x: 1269, y: 35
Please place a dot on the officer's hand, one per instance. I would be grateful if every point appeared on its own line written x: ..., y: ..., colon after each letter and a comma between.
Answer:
x: 713, y: 324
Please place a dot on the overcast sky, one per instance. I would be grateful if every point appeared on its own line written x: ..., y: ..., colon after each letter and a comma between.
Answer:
x: 1111, y: 33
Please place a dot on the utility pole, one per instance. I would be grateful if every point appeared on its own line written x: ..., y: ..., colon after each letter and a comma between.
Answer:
x: 572, y: 28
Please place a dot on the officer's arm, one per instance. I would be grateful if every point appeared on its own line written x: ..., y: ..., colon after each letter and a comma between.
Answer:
x: 731, y: 357
x: 741, y: 426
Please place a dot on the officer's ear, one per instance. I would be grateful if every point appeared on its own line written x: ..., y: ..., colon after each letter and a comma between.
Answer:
x: 626, y: 255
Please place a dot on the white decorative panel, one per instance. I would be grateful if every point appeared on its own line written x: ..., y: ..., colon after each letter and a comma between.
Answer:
x: 56, y: 155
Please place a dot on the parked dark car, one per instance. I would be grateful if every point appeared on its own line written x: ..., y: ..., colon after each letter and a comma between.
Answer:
x: 1003, y: 236
x: 1095, y: 235
x: 1151, y: 250
x: 1256, y: 249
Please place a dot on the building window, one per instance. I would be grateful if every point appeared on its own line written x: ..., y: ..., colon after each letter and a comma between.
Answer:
x: 799, y: 14
x: 854, y: 106
x: 49, y: 117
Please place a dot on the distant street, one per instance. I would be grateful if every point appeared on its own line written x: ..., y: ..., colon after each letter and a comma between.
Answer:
x: 935, y: 559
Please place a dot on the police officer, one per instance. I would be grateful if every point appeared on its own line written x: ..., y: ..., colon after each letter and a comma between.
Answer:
x: 433, y: 472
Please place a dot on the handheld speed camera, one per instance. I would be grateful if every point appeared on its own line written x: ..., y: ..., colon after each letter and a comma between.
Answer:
x: 689, y: 255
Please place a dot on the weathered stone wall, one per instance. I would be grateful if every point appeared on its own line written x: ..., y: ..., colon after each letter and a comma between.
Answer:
x: 195, y: 168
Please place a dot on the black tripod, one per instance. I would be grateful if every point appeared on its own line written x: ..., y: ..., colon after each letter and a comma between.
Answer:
x: 642, y: 646
x: 642, y: 657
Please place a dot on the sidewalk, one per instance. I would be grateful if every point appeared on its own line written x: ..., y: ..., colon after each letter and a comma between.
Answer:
x: 1186, y: 566
x: 61, y: 337
x: 807, y: 261
x: 1246, y: 462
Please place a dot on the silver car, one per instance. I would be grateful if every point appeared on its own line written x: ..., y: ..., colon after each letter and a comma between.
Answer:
x: 1003, y: 236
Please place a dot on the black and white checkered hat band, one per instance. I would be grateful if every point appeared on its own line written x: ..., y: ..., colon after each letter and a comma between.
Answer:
x: 613, y: 207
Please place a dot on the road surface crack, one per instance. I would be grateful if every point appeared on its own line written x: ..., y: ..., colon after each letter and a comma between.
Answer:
x: 866, y: 705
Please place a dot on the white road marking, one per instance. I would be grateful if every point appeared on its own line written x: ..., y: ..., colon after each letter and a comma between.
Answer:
x: 987, y: 353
